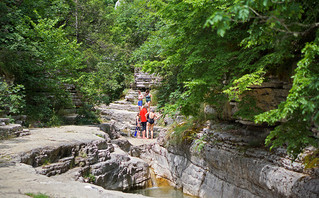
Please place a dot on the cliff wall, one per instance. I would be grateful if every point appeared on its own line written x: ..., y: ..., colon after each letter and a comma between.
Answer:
x: 230, y: 165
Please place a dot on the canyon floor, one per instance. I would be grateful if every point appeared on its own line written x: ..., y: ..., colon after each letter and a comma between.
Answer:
x: 17, y: 178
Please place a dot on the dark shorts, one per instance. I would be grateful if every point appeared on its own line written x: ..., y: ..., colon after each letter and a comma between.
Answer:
x: 151, y: 121
x: 143, y: 126
x: 140, y: 103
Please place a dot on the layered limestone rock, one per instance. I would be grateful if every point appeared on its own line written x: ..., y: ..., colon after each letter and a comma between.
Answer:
x: 261, y: 98
x: 109, y: 167
x: 231, y: 165
x: 8, y: 130
x: 144, y: 81
x: 70, y: 153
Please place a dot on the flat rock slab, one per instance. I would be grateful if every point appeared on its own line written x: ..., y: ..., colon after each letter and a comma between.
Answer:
x: 18, y: 178
x: 49, y: 137
x: 140, y: 141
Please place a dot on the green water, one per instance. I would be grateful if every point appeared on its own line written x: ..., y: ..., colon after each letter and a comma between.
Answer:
x: 162, y: 192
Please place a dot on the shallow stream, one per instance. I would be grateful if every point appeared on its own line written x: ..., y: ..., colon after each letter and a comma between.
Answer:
x: 162, y: 192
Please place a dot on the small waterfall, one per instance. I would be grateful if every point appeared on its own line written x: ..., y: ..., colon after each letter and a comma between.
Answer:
x: 153, y: 178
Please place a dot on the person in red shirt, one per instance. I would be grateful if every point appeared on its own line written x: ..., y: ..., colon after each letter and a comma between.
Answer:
x: 143, y: 113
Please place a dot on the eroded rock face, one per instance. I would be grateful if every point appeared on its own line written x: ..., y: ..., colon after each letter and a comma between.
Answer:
x: 121, y: 172
x: 264, y: 97
x: 8, y: 130
x: 228, y: 167
x: 100, y: 162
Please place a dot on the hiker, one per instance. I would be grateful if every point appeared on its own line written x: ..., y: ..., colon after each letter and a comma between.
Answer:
x: 148, y: 98
x: 138, y: 125
x: 150, y: 124
x: 143, y: 113
x: 140, y: 100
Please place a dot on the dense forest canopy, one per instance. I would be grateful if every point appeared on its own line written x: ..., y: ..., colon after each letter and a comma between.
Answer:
x: 205, y: 51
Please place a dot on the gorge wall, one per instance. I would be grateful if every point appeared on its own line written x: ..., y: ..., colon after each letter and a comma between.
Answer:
x: 229, y: 166
x: 232, y: 162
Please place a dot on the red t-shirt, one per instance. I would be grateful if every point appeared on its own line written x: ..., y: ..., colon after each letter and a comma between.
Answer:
x: 142, y: 114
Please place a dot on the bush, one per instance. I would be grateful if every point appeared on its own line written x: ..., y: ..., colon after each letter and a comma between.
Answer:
x: 87, y: 115
x: 11, y: 98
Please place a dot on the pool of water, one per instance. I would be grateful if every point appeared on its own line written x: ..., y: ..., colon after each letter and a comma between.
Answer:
x: 162, y: 192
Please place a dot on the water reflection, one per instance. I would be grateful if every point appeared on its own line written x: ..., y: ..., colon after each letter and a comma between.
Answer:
x: 162, y: 192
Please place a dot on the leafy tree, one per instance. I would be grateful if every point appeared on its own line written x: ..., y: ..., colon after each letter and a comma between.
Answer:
x: 41, y: 50
x: 250, y: 40
x: 191, y: 58
x: 11, y: 98
x: 288, y: 30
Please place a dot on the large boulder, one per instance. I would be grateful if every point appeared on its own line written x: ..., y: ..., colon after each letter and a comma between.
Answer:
x: 121, y: 172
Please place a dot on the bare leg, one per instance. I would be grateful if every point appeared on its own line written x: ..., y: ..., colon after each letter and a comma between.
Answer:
x: 149, y: 106
x: 151, y: 126
x: 147, y: 129
x: 138, y: 134
x: 143, y: 134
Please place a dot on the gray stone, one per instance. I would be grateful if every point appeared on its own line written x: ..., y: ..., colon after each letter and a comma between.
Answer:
x: 121, y: 172
x: 110, y: 129
x: 71, y: 152
x: 124, y: 144
x: 10, y: 130
x: 222, y: 170
x: 5, y: 120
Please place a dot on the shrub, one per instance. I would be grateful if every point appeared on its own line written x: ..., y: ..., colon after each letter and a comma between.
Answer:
x: 11, y: 98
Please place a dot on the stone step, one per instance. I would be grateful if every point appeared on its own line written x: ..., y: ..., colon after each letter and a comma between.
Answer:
x: 143, y: 79
x: 143, y: 86
x: 62, y: 166
x: 4, y: 121
x: 70, y: 118
x: 120, y: 114
x: 122, y: 102
x: 128, y: 107
x: 10, y: 130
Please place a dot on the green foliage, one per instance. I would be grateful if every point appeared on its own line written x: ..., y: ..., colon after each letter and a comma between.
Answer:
x: 182, y: 133
x: 243, y: 83
x: 55, y: 120
x: 247, y: 108
x: 259, y: 39
x: 302, y: 100
x: 91, y: 178
x: 200, y: 143
x: 11, y: 98
x: 202, y: 49
x: 185, y: 132
x: 38, y: 195
x: 46, y: 162
x: 287, y: 31
x: 191, y: 59
x: 312, y: 160
x: 59, y: 43
x: 87, y: 115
